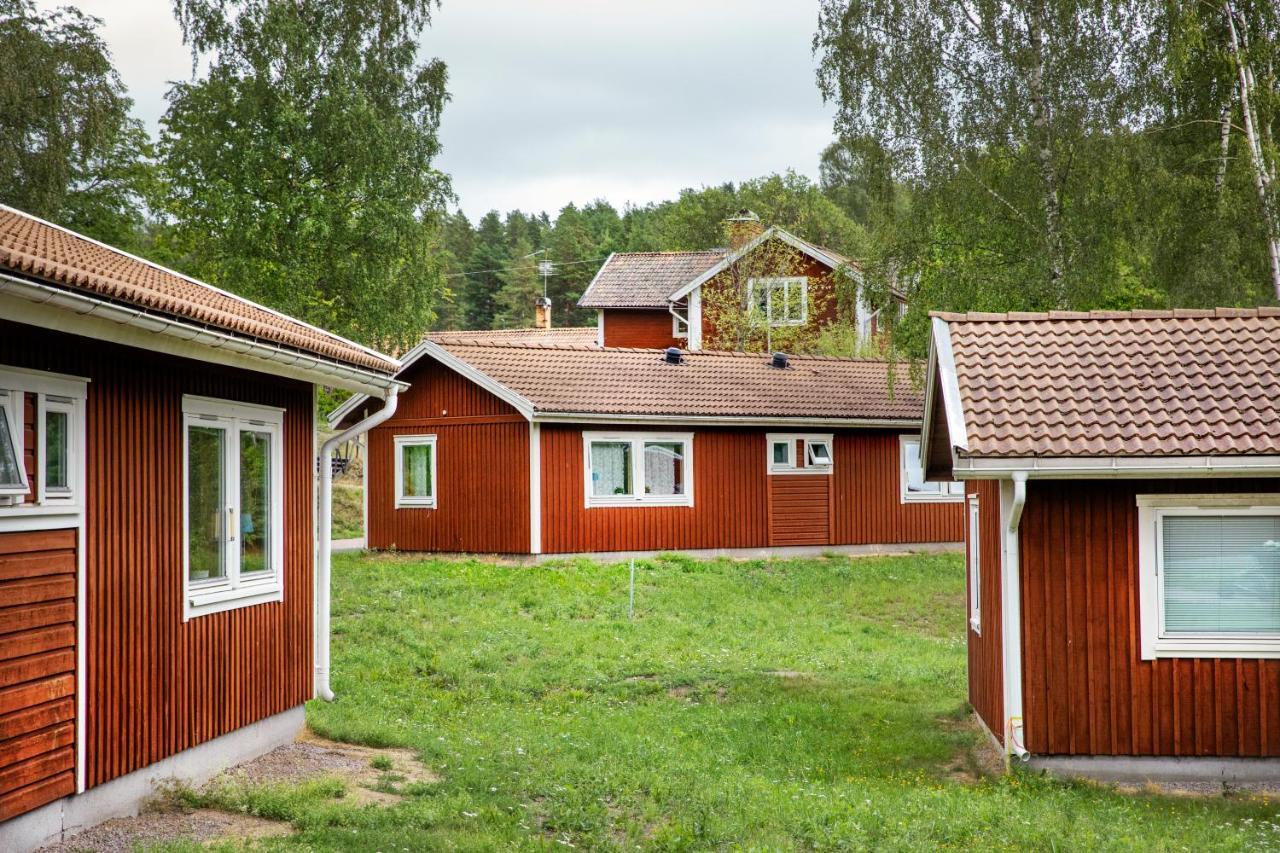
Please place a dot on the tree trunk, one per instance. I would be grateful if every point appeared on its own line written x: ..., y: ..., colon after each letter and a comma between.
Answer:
x: 1262, y: 173
x: 1224, y: 148
x: 1041, y: 121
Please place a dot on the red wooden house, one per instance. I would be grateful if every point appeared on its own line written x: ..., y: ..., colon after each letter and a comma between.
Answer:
x: 1123, y: 534
x: 665, y: 299
x: 540, y: 442
x: 157, y: 453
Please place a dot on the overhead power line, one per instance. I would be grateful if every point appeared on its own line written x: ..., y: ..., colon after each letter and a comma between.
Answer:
x: 526, y: 266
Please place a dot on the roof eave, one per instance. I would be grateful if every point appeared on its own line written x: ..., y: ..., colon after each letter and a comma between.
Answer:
x: 1121, y: 467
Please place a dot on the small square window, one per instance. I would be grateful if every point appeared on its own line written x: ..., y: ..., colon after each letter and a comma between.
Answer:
x: 817, y: 453
x: 799, y: 453
x: 782, y: 451
x: 416, y: 467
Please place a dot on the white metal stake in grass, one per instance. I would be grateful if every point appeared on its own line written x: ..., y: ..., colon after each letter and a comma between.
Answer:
x: 631, y: 602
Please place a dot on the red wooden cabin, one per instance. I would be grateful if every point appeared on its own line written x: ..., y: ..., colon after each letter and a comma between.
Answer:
x: 552, y: 446
x: 157, y: 460
x: 1123, y: 534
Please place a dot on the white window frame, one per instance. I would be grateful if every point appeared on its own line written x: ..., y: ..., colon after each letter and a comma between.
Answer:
x: 947, y: 492
x: 809, y: 439
x: 51, y: 392
x: 215, y: 595
x: 637, y: 441
x: 974, y: 518
x: 786, y: 283
x: 679, y: 325
x: 13, y: 402
x: 1156, y: 643
x: 404, y: 501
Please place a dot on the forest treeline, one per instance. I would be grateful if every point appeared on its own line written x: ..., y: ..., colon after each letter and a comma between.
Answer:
x: 1017, y: 156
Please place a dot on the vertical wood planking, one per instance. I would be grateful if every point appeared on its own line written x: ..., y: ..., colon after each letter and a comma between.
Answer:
x: 1086, y: 688
x: 985, y: 649
x: 640, y: 329
x: 157, y: 685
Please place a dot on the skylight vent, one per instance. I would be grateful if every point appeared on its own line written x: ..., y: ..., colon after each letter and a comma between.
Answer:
x: 673, y: 355
x: 780, y: 361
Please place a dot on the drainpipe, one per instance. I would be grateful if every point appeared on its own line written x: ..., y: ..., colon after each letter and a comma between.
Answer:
x: 1012, y: 621
x: 324, y: 560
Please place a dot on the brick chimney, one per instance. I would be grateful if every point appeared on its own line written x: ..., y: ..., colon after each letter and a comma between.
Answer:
x: 542, y: 313
x: 741, y: 228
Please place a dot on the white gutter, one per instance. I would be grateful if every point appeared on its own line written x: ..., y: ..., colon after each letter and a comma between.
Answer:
x: 993, y: 468
x: 324, y: 558
x: 1013, y: 496
x: 723, y: 420
x: 78, y: 313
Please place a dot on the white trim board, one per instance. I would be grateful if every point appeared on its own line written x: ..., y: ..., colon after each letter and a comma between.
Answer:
x: 1104, y: 467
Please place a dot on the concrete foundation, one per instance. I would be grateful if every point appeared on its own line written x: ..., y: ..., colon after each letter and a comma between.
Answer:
x: 122, y: 797
x: 1158, y: 769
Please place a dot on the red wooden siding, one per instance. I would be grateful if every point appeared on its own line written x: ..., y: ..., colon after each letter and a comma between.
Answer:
x: 643, y: 329
x: 157, y: 685
x: 731, y: 498
x: 1086, y: 689
x: 29, y: 444
x: 823, y: 304
x: 482, y: 471
x: 37, y: 669
x: 799, y: 509
x: 986, y: 654
x: 869, y: 507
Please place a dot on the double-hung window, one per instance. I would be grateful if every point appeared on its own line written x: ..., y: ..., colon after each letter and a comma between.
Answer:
x: 913, y: 486
x: 1209, y: 575
x: 233, y: 478
x: 415, y: 471
x: 780, y: 301
x: 638, y: 468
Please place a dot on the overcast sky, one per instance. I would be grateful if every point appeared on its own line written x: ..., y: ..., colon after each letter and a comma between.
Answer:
x: 556, y: 101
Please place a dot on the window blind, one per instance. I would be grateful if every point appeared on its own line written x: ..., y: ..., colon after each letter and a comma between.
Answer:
x: 1221, y: 574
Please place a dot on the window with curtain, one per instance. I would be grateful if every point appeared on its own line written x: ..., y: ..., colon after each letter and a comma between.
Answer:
x: 636, y: 468
x: 415, y: 471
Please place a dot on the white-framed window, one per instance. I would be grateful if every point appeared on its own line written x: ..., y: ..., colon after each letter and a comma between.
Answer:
x: 1209, y: 575
x: 914, y: 488
x: 415, y: 471
x: 975, y: 565
x: 57, y: 403
x: 680, y: 321
x: 233, y: 505
x: 781, y: 301
x: 786, y: 450
x: 638, y: 468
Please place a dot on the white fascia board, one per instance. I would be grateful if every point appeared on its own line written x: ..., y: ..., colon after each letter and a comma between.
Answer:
x: 203, y: 284
x: 733, y: 257
x: 946, y: 363
x: 1103, y: 467
x: 582, y: 300
x: 728, y: 421
x: 36, y: 304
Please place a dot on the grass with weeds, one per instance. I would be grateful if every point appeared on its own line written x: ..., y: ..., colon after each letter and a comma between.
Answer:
x: 348, y: 510
x: 761, y: 705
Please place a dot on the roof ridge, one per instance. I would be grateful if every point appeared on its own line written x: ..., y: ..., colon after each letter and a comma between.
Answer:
x: 534, y: 345
x: 1135, y: 314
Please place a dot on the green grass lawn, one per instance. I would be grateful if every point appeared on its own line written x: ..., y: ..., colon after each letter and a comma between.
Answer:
x: 761, y: 705
x: 348, y: 510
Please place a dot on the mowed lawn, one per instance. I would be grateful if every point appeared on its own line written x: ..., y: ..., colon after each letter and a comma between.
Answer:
x: 760, y: 705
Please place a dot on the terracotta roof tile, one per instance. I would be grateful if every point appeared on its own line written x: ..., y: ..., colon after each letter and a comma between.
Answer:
x: 568, y: 335
x: 36, y: 249
x: 1142, y: 383
x: 646, y: 279
x: 713, y: 384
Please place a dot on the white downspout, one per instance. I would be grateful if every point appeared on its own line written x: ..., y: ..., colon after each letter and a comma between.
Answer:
x: 324, y: 560
x: 1012, y: 620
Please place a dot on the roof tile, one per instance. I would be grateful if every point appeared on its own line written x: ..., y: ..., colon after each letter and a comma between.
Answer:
x: 646, y: 279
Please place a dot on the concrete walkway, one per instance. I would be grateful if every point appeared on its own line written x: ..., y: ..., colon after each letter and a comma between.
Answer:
x: 340, y: 545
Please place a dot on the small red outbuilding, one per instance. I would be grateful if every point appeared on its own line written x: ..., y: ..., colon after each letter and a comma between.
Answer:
x: 1123, y: 533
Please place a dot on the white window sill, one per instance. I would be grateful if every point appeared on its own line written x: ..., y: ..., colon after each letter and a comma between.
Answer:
x: 405, y: 503
x: 975, y: 625
x: 667, y: 500
x: 1253, y: 648
x: 812, y: 469
x: 932, y: 499
x: 219, y: 598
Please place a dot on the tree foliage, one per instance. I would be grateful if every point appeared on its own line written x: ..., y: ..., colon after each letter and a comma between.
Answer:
x: 299, y: 168
x: 69, y: 150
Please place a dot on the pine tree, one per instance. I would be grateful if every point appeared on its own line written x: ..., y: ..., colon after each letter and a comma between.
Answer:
x: 483, y: 280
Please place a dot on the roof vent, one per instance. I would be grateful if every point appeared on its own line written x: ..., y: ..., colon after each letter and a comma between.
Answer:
x: 673, y: 355
x: 780, y: 361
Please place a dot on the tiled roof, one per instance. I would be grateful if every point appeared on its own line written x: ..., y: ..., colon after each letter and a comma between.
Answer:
x: 646, y: 279
x: 589, y: 380
x: 1142, y: 383
x: 64, y: 259
x: 570, y: 335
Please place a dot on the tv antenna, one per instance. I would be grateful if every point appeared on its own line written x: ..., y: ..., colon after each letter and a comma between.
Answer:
x: 546, y: 267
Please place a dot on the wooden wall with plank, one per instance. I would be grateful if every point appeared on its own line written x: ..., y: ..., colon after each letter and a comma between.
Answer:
x: 643, y: 329
x: 157, y: 685
x: 482, y: 469
x: 1087, y: 690
x: 37, y: 668
x: 986, y: 644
